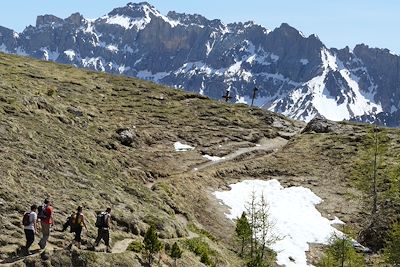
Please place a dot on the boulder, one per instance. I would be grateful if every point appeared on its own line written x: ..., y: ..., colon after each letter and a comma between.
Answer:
x: 127, y: 137
x: 320, y: 125
x: 74, y: 111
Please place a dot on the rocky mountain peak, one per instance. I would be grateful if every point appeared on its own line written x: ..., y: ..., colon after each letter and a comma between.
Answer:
x: 135, y: 10
x: 76, y: 19
x: 241, y: 26
x: 288, y: 31
x: 48, y: 20
x: 194, y: 19
x: 361, y: 49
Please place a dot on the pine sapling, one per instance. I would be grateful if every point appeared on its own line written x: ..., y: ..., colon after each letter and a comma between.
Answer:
x: 151, y: 244
x: 176, y: 252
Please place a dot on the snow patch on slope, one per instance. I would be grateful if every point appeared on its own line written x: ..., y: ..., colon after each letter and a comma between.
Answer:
x: 304, y: 61
x: 112, y: 47
x: 70, y: 54
x: 179, y: 147
x: 49, y: 55
x: 148, y: 75
x: 213, y: 158
x: 292, y: 212
x: 95, y: 63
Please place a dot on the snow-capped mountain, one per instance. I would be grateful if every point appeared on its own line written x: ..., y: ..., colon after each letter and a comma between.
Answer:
x: 296, y: 75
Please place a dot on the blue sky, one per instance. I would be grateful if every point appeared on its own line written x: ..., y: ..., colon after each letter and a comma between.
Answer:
x: 337, y: 22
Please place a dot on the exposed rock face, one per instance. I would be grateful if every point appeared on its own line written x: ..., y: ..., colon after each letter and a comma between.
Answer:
x: 296, y: 75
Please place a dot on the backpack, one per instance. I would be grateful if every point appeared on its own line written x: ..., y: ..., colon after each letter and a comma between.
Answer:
x: 42, y: 214
x: 101, y: 220
x: 73, y: 222
x: 26, y: 219
x: 67, y: 224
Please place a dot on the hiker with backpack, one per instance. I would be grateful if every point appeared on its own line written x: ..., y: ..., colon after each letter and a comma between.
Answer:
x: 46, y: 217
x: 29, y: 221
x: 103, y: 223
x: 77, y: 223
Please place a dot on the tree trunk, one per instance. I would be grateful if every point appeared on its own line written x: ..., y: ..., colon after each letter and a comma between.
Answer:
x: 374, y: 182
x: 253, y: 228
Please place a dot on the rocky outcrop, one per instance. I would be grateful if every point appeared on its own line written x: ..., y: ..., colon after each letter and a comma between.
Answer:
x: 320, y: 125
x: 127, y: 137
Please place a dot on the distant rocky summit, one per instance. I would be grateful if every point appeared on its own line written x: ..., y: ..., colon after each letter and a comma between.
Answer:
x: 296, y: 75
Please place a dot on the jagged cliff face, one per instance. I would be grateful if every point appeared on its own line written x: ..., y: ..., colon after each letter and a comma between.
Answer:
x: 296, y: 75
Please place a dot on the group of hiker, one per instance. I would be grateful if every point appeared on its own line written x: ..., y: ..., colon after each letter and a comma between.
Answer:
x: 43, y: 215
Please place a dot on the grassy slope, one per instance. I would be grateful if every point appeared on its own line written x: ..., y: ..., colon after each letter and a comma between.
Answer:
x: 58, y: 128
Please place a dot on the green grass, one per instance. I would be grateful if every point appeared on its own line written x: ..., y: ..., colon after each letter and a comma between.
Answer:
x: 192, y: 227
x: 136, y: 246
x: 203, y: 250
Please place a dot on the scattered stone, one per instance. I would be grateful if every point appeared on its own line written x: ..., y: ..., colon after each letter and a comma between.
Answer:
x: 320, y: 125
x: 74, y: 111
x: 127, y: 137
x: 111, y: 146
x: 138, y: 227
x: 45, y: 255
x: 43, y: 104
x: 64, y: 120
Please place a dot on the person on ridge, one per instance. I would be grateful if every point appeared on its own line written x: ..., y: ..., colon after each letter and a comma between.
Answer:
x: 77, y: 224
x: 46, y: 216
x: 103, y: 223
x: 29, y: 222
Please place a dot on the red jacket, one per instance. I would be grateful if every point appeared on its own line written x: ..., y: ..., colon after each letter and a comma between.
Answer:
x: 49, y: 218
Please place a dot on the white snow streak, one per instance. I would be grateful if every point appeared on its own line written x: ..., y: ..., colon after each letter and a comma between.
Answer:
x: 148, y: 75
x: 70, y: 54
x: 304, y: 61
x: 213, y: 158
x: 49, y: 55
x: 182, y: 147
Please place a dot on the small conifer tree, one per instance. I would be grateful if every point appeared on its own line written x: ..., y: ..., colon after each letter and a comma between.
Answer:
x: 176, y: 252
x: 243, y: 232
x: 262, y: 234
x: 340, y: 253
x: 151, y: 244
x: 392, y: 250
x: 369, y: 171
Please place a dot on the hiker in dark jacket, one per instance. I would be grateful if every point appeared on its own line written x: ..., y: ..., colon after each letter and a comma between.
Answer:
x: 103, y: 224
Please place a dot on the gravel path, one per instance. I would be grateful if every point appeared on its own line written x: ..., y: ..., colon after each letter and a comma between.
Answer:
x: 265, y: 145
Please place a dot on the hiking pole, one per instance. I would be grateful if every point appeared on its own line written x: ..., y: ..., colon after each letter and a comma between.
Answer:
x: 254, y: 96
